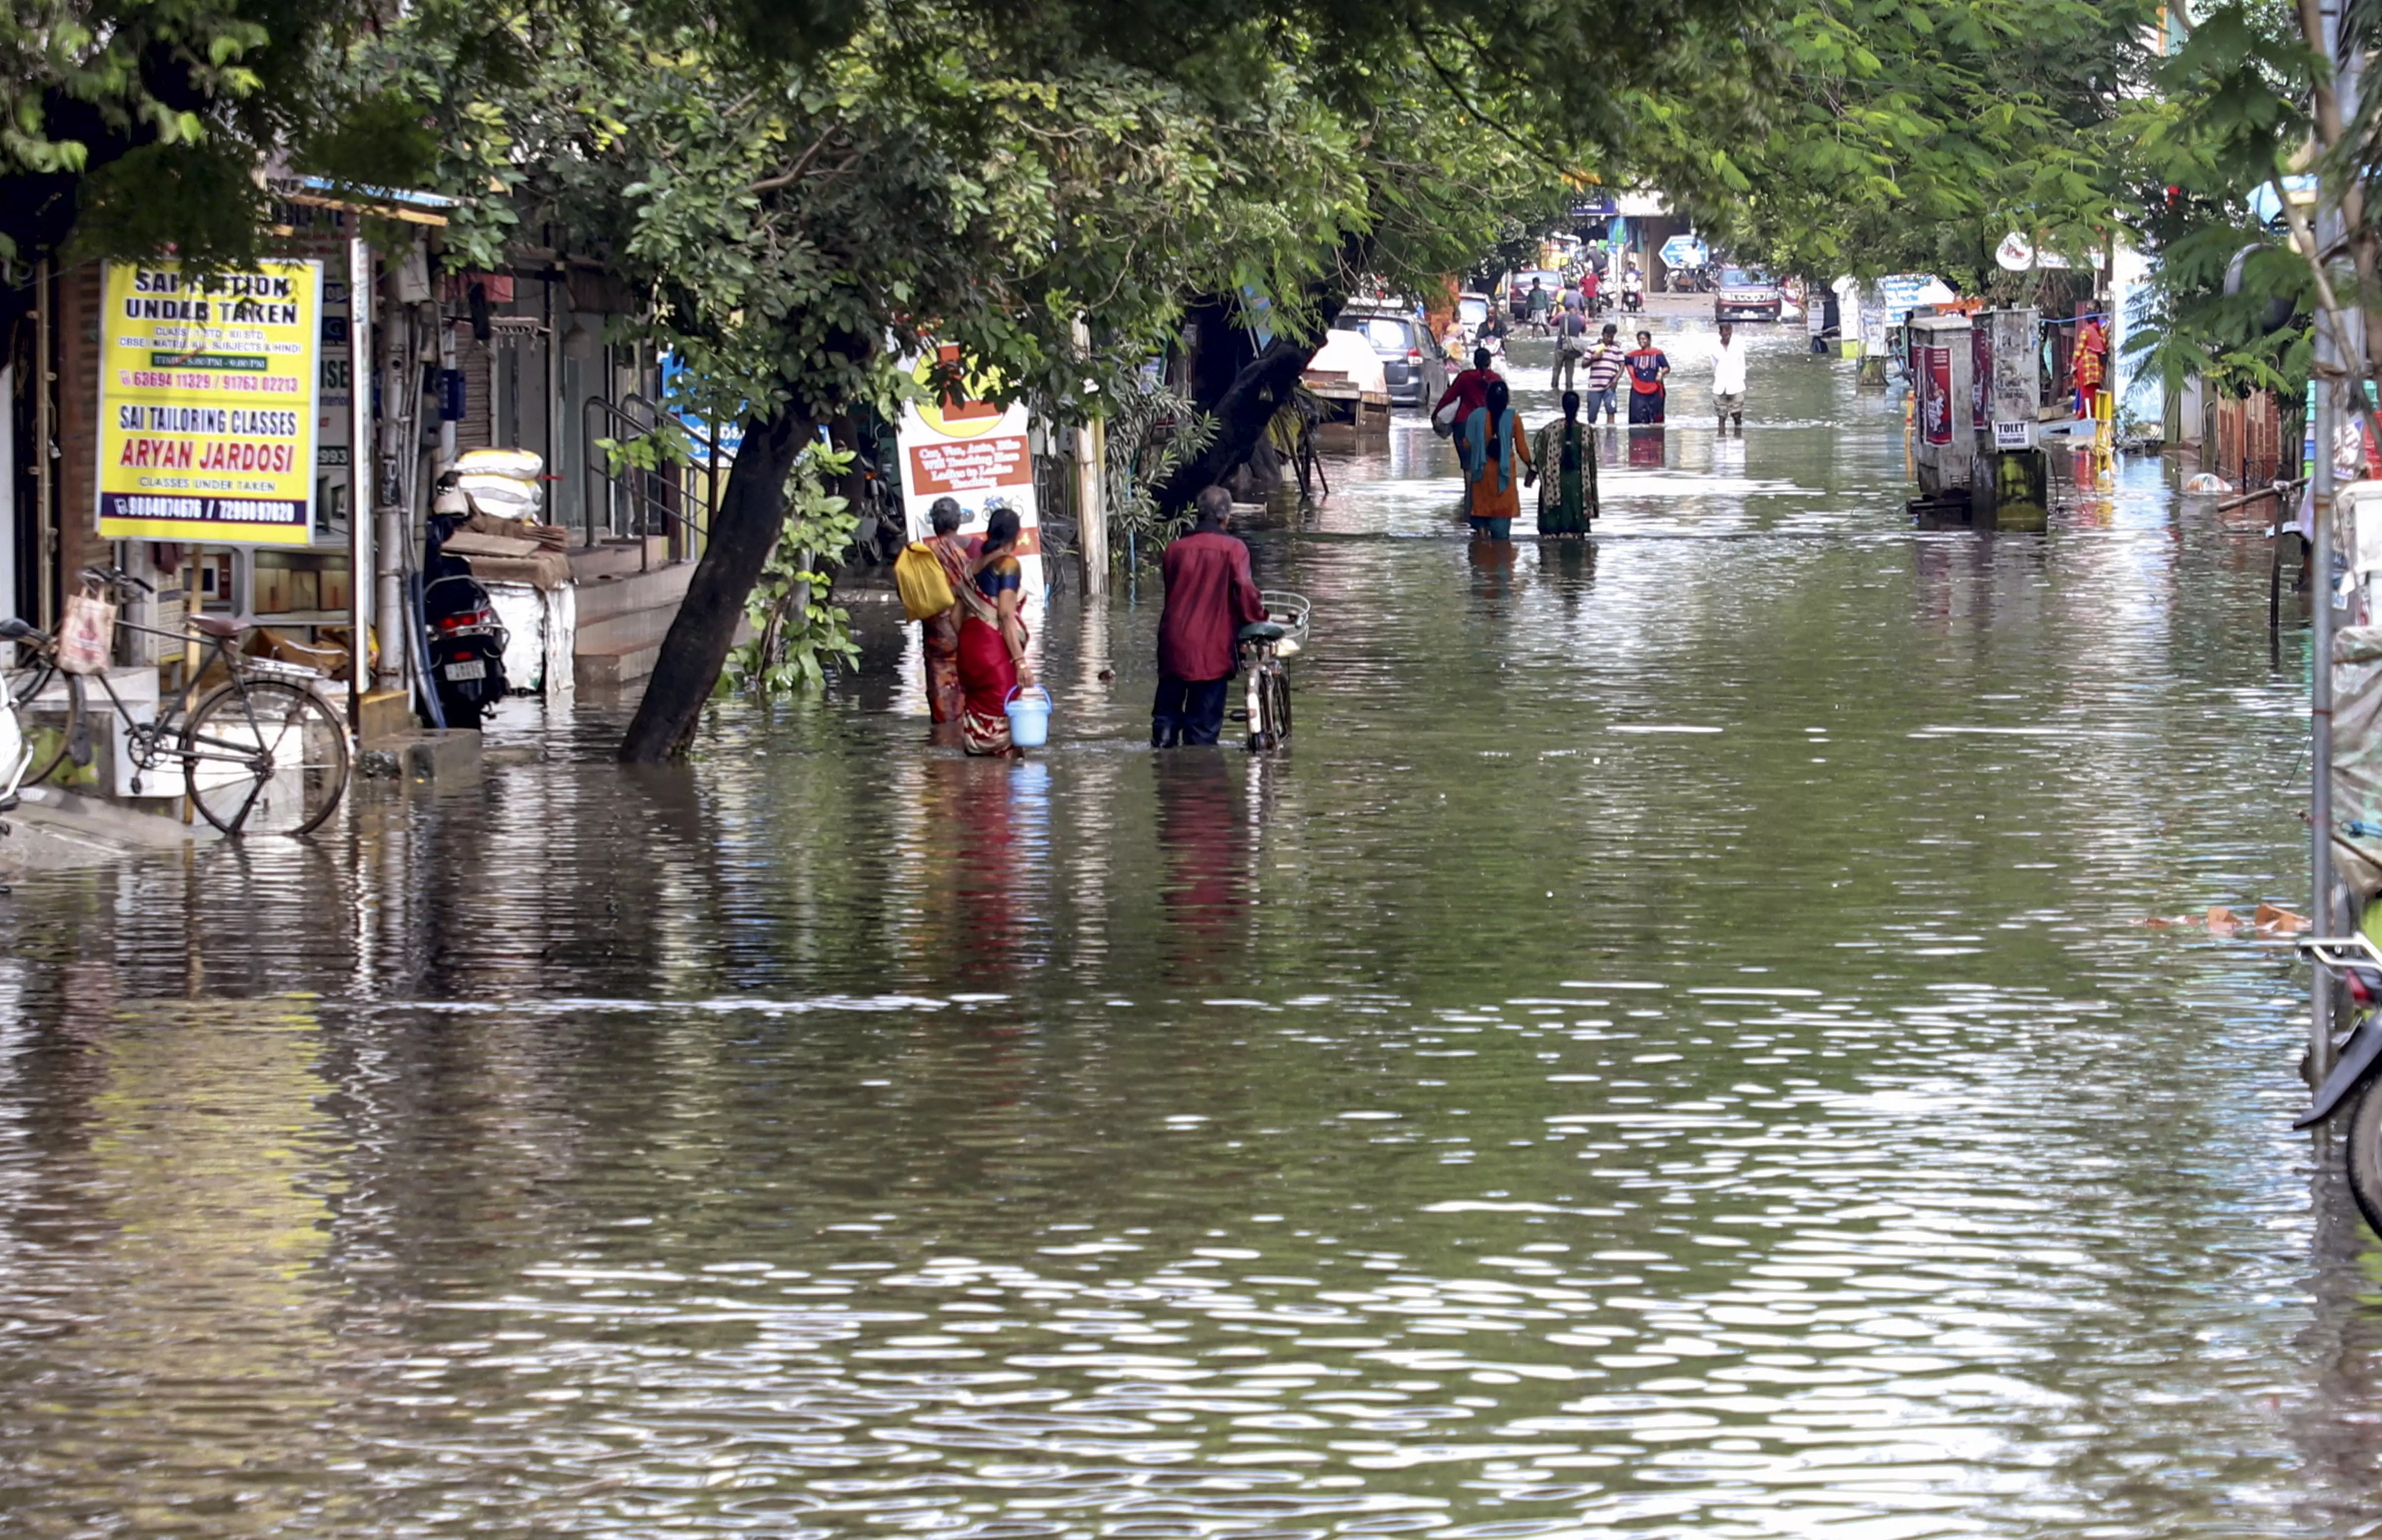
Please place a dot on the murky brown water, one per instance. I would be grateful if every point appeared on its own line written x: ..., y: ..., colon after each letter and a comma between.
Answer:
x: 1668, y: 1053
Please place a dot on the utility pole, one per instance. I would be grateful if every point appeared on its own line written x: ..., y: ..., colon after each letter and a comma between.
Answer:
x: 2335, y: 363
x: 363, y: 480
x: 1091, y: 490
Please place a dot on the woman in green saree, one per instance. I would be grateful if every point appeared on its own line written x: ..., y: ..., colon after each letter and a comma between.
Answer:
x: 1566, y: 454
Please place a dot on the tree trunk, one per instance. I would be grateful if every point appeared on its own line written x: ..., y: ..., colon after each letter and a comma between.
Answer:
x: 745, y: 530
x: 1257, y: 392
x: 1257, y: 389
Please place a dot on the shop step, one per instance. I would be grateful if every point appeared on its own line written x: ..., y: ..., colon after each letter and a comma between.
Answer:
x: 618, y: 558
x: 603, y: 598
x: 628, y: 664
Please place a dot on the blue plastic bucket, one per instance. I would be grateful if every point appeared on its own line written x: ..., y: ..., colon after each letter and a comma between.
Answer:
x: 1030, y: 721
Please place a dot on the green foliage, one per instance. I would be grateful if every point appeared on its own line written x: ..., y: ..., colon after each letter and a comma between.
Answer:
x: 801, y: 632
x: 2233, y: 102
x: 1913, y: 134
x: 1151, y: 431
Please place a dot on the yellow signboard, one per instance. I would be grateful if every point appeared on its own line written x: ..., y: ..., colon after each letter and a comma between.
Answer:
x: 207, y: 400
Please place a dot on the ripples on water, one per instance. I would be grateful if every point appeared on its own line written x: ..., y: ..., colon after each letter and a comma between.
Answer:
x: 1668, y: 1053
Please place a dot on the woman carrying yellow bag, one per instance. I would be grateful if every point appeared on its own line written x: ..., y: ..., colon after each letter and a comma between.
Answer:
x: 929, y: 573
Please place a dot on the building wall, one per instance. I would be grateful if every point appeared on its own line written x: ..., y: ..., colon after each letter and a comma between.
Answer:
x: 78, y: 426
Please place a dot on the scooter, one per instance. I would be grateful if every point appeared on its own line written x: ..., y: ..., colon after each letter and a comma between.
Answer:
x: 463, y: 638
x: 1633, y: 295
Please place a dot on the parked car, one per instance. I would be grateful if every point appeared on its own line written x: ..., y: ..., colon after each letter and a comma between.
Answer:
x: 1406, y: 349
x: 1517, y: 291
x: 1745, y: 294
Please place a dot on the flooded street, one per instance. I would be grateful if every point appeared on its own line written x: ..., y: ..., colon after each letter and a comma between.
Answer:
x: 1671, y: 1051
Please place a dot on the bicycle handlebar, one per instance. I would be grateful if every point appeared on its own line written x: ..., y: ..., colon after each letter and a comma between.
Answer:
x: 114, y: 577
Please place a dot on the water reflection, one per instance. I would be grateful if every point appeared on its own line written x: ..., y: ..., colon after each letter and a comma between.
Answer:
x: 1665, y: 1052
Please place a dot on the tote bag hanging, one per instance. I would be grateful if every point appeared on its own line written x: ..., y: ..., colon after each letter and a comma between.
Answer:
x: 88, y: 637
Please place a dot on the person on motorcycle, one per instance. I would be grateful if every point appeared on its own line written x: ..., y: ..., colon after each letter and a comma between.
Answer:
x: 1633, y: 289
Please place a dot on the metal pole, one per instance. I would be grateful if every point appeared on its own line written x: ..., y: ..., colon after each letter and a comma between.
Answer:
x: 363, y: 480
x: 1091, y: 491
x: 1091, y: 508
x: 2320, y: 717
x: 394, y: 510
x: 2331, y: 365
x: 45, y: 515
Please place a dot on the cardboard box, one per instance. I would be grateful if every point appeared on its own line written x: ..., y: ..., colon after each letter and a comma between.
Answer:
x: 335, y: 592
x: 272, y: 590
x: 305, y: 589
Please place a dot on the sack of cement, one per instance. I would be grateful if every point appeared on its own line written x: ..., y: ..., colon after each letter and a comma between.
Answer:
x: 503, y: 496
x: 503, y: 482
x: 520, y: 465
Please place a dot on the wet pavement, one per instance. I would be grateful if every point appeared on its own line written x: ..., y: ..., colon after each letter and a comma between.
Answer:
x: 1669, y: 1052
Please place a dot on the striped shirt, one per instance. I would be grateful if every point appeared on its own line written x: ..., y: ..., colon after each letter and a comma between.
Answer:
x: 1605, y: 362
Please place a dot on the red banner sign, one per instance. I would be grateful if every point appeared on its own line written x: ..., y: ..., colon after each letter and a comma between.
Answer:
x: 1935, y: 394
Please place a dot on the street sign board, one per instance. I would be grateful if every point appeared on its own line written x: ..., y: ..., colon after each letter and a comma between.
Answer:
x: 1901, y: 291
x: 1683, y: 251
x: 701, y: 433
x: 208, y: 389
x: 976, y: 452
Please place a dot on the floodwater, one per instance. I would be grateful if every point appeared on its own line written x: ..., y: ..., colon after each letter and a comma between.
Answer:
x: 1671, y: 1051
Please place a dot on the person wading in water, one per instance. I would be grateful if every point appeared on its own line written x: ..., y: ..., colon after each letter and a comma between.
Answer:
x: 940, y: 633
x: 992, y: 638
x: 1210, y: 596
x: 1649, y: 367
x: 1493, y: 445
x: 1566, y: 462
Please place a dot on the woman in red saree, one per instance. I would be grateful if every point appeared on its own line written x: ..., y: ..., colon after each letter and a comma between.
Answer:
x: 992, y: 638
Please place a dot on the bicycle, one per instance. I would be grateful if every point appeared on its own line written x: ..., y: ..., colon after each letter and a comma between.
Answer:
x: 1266, y: 690
x: 261, y: 753
x: 18, y: 747
x: 25, y: 684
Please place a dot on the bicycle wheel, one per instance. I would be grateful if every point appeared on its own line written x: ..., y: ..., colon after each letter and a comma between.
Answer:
x: 1277, y: 690
x: 265, y: 758
x: 50, y: 725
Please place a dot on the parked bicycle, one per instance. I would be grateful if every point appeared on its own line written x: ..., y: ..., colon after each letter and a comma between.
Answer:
x: 19, y: 745
x: 1266, y: 687
x: 2354, y: 962
x: 261, y: 753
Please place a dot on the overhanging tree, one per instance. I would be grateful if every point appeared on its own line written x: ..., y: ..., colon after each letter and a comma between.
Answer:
x: 801, y: 208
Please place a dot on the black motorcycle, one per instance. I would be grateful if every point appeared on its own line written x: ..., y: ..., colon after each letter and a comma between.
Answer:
x: 464, y: 640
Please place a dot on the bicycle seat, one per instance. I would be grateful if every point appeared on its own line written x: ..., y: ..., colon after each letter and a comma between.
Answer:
x: 14, y: 629
x: 218, y: 627
x: 1263, y: 630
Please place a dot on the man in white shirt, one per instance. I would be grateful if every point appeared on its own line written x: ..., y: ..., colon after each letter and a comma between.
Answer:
x: 1729, y: 380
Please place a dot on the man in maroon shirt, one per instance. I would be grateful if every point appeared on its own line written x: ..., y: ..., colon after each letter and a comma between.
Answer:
x: 1470, y: 391
x: 1210, y: 596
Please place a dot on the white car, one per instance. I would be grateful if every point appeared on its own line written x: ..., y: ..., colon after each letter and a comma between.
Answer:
x: 1746, y: 295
